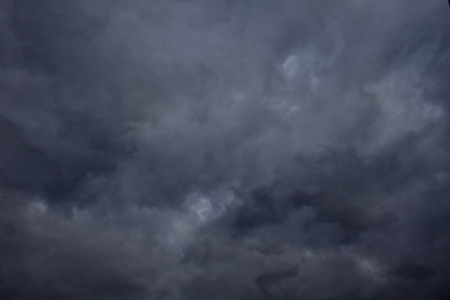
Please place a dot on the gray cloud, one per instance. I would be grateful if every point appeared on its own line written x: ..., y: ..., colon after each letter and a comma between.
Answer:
x: 224, y: 150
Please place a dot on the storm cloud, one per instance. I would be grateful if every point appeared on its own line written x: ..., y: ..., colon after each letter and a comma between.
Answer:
x: 197, y: 149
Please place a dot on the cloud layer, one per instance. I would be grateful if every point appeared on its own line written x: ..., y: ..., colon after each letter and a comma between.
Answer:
x: 224, y: 149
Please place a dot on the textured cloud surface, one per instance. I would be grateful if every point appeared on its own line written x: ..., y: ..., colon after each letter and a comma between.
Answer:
x: 224, y: 149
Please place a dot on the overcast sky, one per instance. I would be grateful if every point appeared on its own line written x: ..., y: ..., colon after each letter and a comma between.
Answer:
x: 224, y: 149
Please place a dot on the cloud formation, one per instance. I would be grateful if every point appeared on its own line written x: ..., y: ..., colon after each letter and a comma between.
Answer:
x: 224, y: 149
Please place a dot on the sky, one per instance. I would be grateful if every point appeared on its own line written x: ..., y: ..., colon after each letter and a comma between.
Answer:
x: 198, y: 149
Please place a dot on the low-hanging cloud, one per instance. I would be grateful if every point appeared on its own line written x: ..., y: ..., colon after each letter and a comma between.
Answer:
x: 224, y: 149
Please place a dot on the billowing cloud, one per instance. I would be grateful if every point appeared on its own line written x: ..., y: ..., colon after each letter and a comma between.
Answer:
x: 224, y: 149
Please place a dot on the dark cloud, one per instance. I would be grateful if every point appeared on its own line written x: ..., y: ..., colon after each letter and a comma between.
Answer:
x: 224, y: 150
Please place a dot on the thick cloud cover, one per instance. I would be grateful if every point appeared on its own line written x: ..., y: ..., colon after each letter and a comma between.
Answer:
x: 224, y: 149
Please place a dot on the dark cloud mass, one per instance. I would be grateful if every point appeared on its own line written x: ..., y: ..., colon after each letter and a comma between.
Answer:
x: 197, y: 149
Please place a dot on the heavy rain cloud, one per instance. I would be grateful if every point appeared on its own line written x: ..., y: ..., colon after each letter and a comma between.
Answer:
x: 197, y: 149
